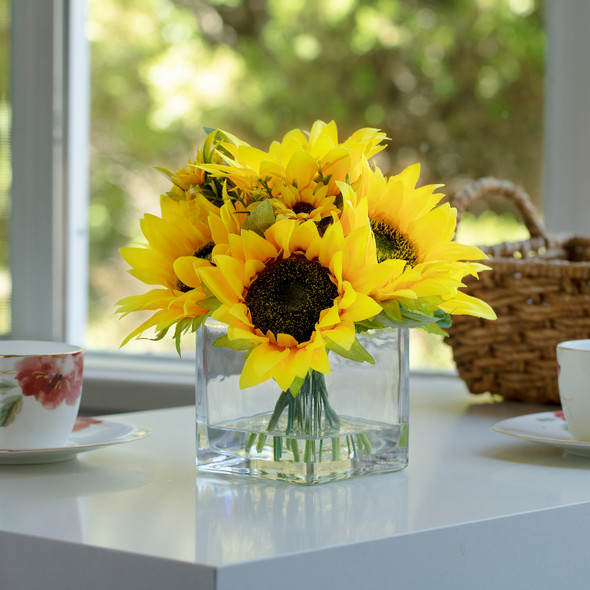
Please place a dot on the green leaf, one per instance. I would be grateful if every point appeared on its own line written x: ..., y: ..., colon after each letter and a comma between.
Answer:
x: 444, y: 318
x: 209, y: 144
x: 370, y: 324
x: 260, y: 218
x: 10, y: 408
x: 212, y: 141
x: 435, y: 329
x: 356, y: 352
x: 238, y: 344
x: 399, y: 317
x: 392, y: 310
x: 169, y: 176
x: 417, y: 318
x: 6, y: 386
x: 211, y: 303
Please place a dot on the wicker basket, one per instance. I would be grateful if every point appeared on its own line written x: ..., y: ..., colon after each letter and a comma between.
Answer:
x: 540, y: 290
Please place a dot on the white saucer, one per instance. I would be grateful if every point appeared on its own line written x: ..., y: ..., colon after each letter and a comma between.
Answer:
x: 89, y: 434
x: 546, y: 427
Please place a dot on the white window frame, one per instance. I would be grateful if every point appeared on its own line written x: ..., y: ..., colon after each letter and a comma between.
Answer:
x: 567, y: 117
x: 49, y: 229
x: 50, y: 95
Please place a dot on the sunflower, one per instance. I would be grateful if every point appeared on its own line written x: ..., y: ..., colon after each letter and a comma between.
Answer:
x: 170, y: 308
x: 293, y: 294
x: 300, y: 160
x: 411, y: 225
x: 314, y: 204
x: 178, y: 243
x: 193, y: 179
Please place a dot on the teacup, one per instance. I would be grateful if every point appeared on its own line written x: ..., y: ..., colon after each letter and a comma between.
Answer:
x: 573, y: 370
x: 40, y: 389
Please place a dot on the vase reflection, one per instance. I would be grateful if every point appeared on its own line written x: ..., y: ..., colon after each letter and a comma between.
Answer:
x: 238, y: 519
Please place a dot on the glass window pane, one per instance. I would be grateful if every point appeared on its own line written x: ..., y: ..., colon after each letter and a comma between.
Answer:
x: 5, y: 167
x: 457, y: 85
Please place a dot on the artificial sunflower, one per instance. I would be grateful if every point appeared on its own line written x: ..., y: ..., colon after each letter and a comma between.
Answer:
x: 193, y: 179
x: 178, y: 243
x: 228, y: 225
x: 410, y: 224
x: 310, y: 203
x: 303, y: 252
x: 291, y: 295
x: 301, y: 160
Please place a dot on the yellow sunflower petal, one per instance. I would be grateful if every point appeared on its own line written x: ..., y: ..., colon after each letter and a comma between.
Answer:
x: 343, y: 334
x: 463, y: 304
x: 301, y: 169
x: 222, y: 286
x: 261, y: 360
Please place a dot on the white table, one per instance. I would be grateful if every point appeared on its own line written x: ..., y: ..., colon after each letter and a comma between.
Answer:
x: 475, y: 509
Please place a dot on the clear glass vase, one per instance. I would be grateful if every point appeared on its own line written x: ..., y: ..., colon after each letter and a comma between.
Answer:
x: 350, y: 423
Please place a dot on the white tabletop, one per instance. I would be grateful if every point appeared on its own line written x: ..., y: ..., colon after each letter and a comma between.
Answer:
x: 474, y: 509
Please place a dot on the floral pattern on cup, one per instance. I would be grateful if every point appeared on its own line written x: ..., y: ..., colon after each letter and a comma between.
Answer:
x: 10, y: 407
x: 51, y: 379
x: 82, y: 423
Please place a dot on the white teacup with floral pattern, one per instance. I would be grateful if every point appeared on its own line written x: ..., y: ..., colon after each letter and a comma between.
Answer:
x: 573, y: 366
x: 40, y: 389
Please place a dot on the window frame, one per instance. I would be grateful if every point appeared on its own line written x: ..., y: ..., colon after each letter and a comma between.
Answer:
x: 50, y: 99
x: 50, y: 137
x: 566, y: 120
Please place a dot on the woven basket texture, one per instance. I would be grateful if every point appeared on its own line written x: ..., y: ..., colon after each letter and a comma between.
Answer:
x: 540, y: 291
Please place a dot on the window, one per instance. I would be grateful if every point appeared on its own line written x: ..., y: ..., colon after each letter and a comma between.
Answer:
x: 50, y: 89
x: 5, y: 171
x: 452, y: 84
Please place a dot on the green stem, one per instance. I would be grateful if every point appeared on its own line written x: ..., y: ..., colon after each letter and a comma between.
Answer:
x: 310, y: 414
x: 336, y: 448
x: 250, y: 441
x: 277, y: 447
x: 309, y: 452
x: 260, y: 443
x: 282, y: 403
x: 294, y: 446
x: 365, y: 443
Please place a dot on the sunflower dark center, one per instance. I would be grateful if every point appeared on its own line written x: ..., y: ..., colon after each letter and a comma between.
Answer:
x: 288, y: 296
x: 303, y: 207
x: 391, y: 243
x: 205, y: 251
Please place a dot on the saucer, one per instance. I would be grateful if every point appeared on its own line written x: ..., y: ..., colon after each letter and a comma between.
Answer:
x: 546, y: 427
x: 89, y: 434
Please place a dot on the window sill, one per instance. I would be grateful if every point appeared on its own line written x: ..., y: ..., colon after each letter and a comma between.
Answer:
x: 115, y: 383
x: 120, y: 383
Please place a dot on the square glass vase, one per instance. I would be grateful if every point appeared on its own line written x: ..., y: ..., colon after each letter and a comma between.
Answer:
x: 350, y: 423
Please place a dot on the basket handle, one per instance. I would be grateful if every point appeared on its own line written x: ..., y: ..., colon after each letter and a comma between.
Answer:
x: 488, y: 185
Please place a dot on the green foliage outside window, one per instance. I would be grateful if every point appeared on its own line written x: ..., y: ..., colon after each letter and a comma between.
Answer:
x: 456, y: 84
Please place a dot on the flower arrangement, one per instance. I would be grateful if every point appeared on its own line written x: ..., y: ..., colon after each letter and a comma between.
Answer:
x: 298, y: 250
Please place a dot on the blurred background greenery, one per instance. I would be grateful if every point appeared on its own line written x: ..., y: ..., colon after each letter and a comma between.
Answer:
x: 457, y: 85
